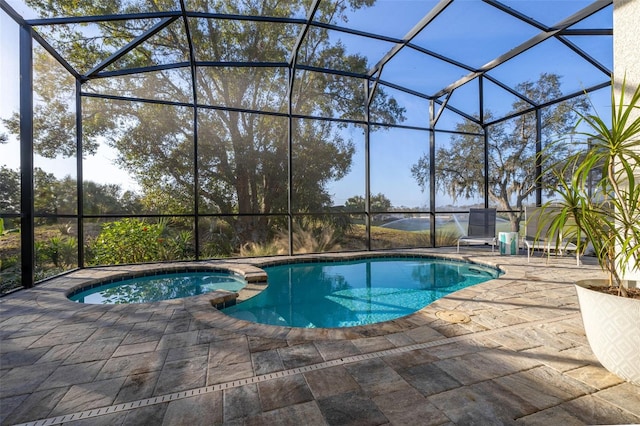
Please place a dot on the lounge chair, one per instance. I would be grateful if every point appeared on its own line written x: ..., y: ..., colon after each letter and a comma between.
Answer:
x: 536, y: 238
x: 481, y: 228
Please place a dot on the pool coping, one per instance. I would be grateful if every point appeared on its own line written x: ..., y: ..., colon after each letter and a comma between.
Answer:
x: 204, y: 308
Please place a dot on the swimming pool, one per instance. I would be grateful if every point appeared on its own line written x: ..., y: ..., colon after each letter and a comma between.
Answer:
x: 154, y: 288
x: 355, y: 292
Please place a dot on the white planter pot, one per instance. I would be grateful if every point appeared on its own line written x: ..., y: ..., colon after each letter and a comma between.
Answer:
x: 612, y: 325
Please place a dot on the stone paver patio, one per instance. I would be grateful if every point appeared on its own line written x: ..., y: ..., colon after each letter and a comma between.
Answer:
x: 522, y: 359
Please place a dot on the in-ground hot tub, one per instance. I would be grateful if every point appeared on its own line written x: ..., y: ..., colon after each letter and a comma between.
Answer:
x: 158, y: 286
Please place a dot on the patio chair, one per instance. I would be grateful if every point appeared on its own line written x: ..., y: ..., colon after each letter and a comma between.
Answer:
x: 481, y: 228
x: 537, y: 222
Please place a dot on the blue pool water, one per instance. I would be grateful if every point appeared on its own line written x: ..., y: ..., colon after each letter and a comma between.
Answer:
x: 160, y: 287
x: 358, y: 292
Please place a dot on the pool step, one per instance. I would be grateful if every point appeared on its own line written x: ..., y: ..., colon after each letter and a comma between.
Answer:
x: 221, y: 299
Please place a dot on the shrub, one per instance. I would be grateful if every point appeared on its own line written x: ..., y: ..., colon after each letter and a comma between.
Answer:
x: 9, y: 262
x: 137, y: 241
x: 62, y: 252
x: 127, y: 241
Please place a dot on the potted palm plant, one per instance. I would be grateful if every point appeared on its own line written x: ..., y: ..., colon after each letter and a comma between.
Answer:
x: 598, y: 203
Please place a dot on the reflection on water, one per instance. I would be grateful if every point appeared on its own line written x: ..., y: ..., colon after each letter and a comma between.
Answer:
x: 160, y: 287
x: 344, y: 294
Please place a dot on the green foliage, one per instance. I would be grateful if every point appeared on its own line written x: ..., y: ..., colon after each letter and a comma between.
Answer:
x: 339, y: 221
x: 178, y: 246
x: 61, y: 252
x: 59, y: 196
x: 10, y: 279
x: 10, y: 267
x: 48, y: 198
x: 108, y: 198
x: 54, y: 122
x: 127, y: 241
x: 217, y: 240
x: 379, y: 203
x: 599, y: 187
x: 9, y: 262
x: 10, y: 190
x: 133, y: 240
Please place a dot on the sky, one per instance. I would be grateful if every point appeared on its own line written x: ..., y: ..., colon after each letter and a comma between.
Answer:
x: 493, y: 34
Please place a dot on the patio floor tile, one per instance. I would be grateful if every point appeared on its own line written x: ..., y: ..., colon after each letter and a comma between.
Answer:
x: 196, y: 410
x: 482, y: 403
x: 182, y: 375
x: 307, y: 413
x: 89, y: 395
x: 266, y: 362
x: 284, y: 391
x: 409, y: 407
x: 351, y: 408
x: 330, y: 381
x: 522, y: 359
x: 241, y: 402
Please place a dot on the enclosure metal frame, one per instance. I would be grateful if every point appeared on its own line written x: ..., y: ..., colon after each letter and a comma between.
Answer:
x: 438, y: 101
